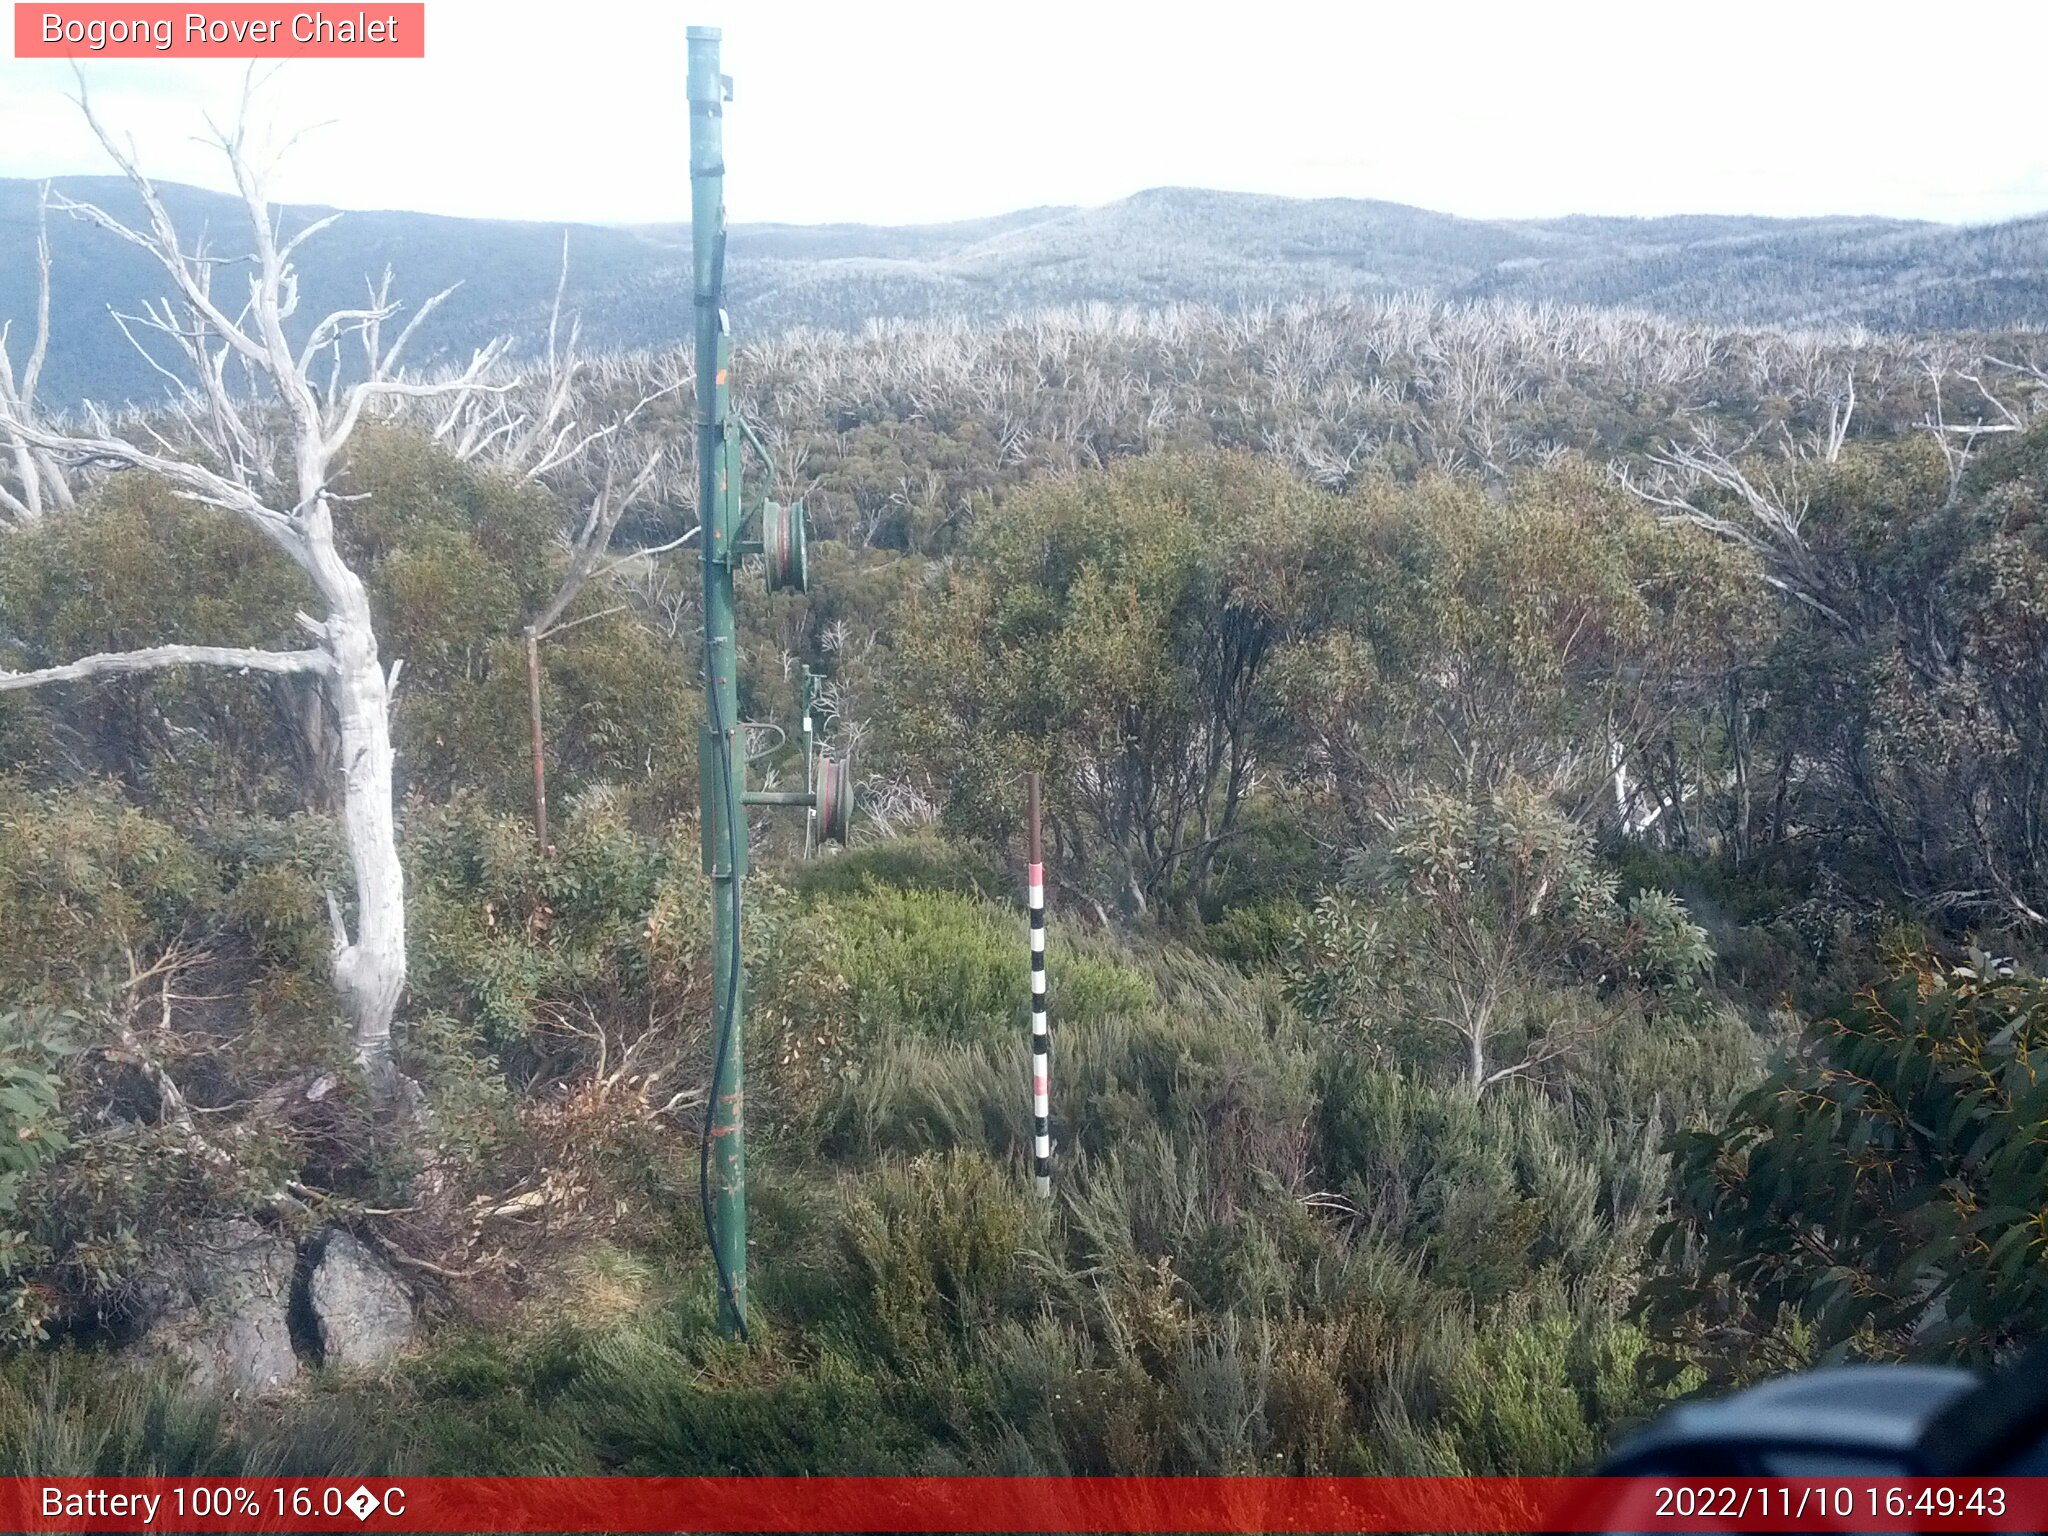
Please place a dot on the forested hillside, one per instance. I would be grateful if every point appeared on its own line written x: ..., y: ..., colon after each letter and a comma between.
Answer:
x: 1166, y: 246
x: 1505, y: 766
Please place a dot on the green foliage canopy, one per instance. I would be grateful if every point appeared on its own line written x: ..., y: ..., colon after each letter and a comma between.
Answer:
x: 1889, y: 1182
x: 1116, y: 631
x: 1493, y: 925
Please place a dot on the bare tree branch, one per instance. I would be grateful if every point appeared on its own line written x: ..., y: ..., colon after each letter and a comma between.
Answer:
x: 161, y: 657
x: 38, y: 480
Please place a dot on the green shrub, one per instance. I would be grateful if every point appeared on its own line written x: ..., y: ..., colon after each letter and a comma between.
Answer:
x: 32, y: 1133
x: 922, y: 861
x: 918, y: 1095
x: 137, y: 565
x: 503, y: 932
x: 934, y: 1248
x: 941, y: 965
x: 1886, y: 1182
x: 70, y: 1413
x: 89, y: 886
x: 1254, y: 936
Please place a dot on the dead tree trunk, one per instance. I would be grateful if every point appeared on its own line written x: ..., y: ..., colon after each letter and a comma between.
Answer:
x: 369, y: 971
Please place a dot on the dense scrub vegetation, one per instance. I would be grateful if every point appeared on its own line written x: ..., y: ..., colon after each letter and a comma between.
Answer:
x: 1503, y: 910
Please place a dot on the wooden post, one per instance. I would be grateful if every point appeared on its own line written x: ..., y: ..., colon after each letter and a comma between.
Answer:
x: 1041, y: 1035
x: 540, y: 759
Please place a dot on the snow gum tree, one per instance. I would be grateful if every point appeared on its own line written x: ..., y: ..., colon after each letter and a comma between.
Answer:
x: 259, y: 413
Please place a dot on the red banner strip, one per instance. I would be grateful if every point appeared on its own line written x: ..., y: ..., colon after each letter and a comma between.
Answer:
x: 380, y: 30
x: 1022, y: 1504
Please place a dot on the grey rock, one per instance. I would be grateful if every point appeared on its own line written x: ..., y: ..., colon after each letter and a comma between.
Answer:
x: 360, y: 1307
x: 221, y: 1308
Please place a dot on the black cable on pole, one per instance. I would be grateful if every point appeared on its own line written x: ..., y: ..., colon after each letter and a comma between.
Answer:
x: 722, y: 1022
x: 728, y: 1006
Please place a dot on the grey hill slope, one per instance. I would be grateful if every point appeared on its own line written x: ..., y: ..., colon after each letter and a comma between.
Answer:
x: 1167, y: 245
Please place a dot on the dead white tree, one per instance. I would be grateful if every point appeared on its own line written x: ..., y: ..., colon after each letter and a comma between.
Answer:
x: 255, y: 429
x: 1990, y: 415
x: 1762, y: 507
x: 37, y: 481
x: 1840, y: 399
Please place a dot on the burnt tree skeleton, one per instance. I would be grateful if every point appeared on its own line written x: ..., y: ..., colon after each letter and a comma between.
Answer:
x: 275, y: 410
x: 39, y: 483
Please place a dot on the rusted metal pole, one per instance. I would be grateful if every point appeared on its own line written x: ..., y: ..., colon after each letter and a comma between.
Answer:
x: 1041, y: 1033
x: 540, y: 757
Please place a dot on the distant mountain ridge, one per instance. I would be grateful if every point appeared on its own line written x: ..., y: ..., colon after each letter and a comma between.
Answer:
x: 631, y: 285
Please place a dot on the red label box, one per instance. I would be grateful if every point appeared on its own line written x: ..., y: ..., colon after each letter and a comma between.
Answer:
x: 775, y: 1506
x: 379, y: 30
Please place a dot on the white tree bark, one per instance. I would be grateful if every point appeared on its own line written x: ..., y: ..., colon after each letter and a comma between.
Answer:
x: 38, y: 483
x: 159, y: 658
x: 369, y: 972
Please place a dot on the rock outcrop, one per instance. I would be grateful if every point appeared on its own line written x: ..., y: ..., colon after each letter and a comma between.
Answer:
x: 360, y: 1309
x: 221, y: 1307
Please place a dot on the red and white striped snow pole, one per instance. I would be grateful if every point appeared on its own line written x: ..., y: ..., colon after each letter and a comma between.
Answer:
x: 1041, y: 1035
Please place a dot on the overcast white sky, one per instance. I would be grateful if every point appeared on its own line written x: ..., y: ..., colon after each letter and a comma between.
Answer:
x: 898, y: 111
